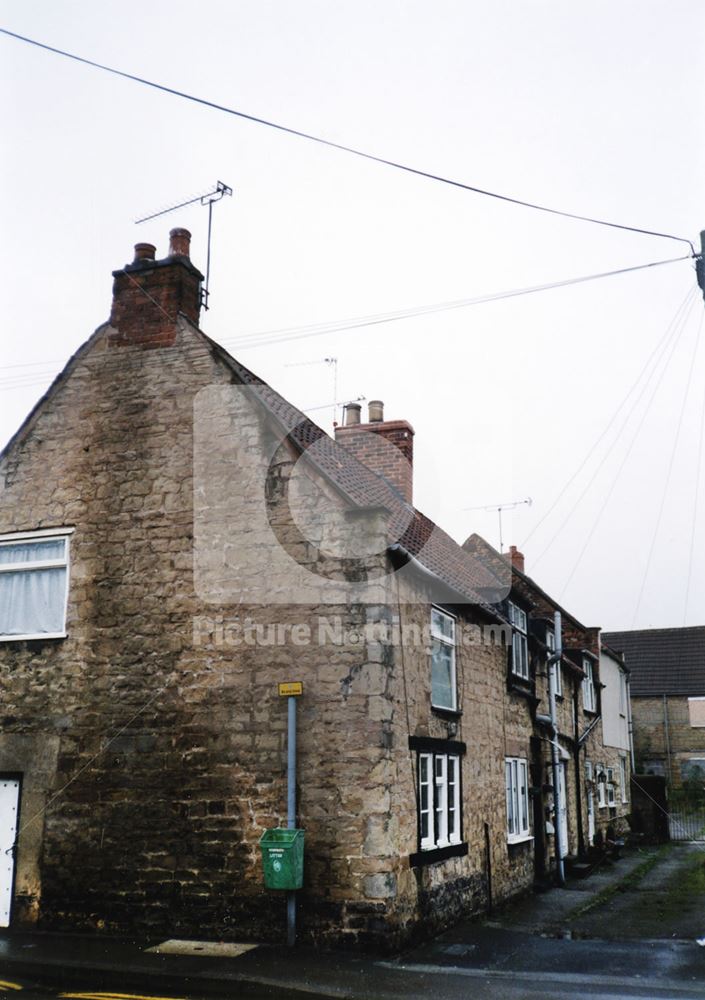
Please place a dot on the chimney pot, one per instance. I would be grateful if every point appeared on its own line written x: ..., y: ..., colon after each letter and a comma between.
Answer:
x: 376, y: 411
x: 352, y: 414
x: 144, y: 251
x: 179, y: 243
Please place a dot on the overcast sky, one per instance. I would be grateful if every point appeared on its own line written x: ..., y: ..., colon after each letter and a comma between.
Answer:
x: 590, y: 108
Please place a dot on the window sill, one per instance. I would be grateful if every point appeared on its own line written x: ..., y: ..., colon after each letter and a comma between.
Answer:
x: 513, y: 841
x: 520, y: 678
x: 435, y: 854
x: 523, y: 688
x: 34, y: 638
x: 447, y: 713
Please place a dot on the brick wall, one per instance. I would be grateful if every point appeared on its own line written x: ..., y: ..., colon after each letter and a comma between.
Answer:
x: 387, y: 447
x: 664, y: 739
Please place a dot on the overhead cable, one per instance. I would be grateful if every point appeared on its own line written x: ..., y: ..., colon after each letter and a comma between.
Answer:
x: 354, y: 151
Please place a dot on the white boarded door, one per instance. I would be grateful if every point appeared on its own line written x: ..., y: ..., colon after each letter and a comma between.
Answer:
x: 9, y: 806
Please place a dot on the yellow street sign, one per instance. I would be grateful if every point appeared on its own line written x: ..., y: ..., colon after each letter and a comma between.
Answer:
x: 291, y: 689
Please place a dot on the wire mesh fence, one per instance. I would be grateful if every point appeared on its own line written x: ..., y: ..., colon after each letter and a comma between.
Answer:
x: 687, y: 822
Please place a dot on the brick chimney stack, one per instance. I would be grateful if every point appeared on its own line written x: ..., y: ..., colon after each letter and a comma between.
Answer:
x: 385, y: 446
x: 149, y: 294
x: 516, y: 558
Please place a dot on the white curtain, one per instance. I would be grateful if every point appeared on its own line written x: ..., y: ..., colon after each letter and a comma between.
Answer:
x: 32, y: 602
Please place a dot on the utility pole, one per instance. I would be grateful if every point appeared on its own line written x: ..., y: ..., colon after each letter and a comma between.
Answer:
x: 700, y: 264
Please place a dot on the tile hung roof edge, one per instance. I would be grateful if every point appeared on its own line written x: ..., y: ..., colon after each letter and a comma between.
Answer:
x: 488, y: 609
x: 245, y: 374
x: 249, y: 378
x: 532, y: 583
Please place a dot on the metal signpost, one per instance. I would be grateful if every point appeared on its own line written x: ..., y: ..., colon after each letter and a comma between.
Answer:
x: 291, y: 691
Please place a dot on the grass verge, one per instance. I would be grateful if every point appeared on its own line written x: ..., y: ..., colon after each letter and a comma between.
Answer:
x: 628, y: 882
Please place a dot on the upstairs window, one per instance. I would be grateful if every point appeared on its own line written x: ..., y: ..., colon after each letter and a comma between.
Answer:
x: 34, y: 573
x: 443, y: 686
x: 589, y: 702
x: 554, y: 668
x: 520, y: 649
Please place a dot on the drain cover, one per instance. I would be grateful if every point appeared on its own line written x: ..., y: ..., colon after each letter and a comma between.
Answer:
x: 206, y: 949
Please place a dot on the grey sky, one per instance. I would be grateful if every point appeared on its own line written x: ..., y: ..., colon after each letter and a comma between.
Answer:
x: 589, y: 108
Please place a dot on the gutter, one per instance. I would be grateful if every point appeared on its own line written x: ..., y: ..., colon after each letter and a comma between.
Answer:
x: 556, y: 763
x: 408, y: 558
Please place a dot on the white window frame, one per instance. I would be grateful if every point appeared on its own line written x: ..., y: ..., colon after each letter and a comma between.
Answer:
x: 611, y: 797
x: 588, y: 685
x: 439, y: 800
x: 438, y: 636
x: 42, y: 534
x: 622, y: 694
x: 518, y: 619
x: 698, y: 724
x: 623, y: 779
x: 516, y: 784
x: 555, y: 667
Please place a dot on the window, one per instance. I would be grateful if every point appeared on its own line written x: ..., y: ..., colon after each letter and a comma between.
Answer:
x: 623, y: 778
x: 696, y: 712
x: 588, y: 686
x: 520, y: 652
x: 604, y: 776
x: 555, y: 668
x: 34, y: 570
x: 443, y: 688
x: 623, y: 695
x: 600, y: 781
x: 439, y: 800
x: 517, y: 786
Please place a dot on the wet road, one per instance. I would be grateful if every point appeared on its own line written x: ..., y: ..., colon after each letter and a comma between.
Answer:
x: 24, y: 989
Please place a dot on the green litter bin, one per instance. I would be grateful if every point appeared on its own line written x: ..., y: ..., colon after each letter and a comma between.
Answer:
x: 283, y: 858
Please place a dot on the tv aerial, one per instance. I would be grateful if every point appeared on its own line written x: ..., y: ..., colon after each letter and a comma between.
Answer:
x: 209, y: 198
x: 499, y: 507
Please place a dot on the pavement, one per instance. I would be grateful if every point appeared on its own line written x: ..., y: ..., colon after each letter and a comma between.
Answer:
x: 592, y: 937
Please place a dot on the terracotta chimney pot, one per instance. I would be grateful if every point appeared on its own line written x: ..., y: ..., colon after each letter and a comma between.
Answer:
x: 179, y: 243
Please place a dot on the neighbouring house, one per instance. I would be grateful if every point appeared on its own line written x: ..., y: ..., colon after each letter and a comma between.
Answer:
x: 667, y: 681
x: 591, y: 715
x: 176, y: 539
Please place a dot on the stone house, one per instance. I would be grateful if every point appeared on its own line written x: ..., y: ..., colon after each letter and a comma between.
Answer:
x: 667, y: 682
x: 176, y: 539
x: 591, y: 715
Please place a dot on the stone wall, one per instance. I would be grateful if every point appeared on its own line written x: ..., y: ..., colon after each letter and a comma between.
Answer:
x: 163, y: 735
x: 664, y: 739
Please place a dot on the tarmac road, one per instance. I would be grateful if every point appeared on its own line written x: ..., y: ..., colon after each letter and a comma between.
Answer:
x: 630, y: 931
x: 23, y: 989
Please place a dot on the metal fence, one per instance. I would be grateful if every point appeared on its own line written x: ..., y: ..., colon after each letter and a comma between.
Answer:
x: 687, y: 822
